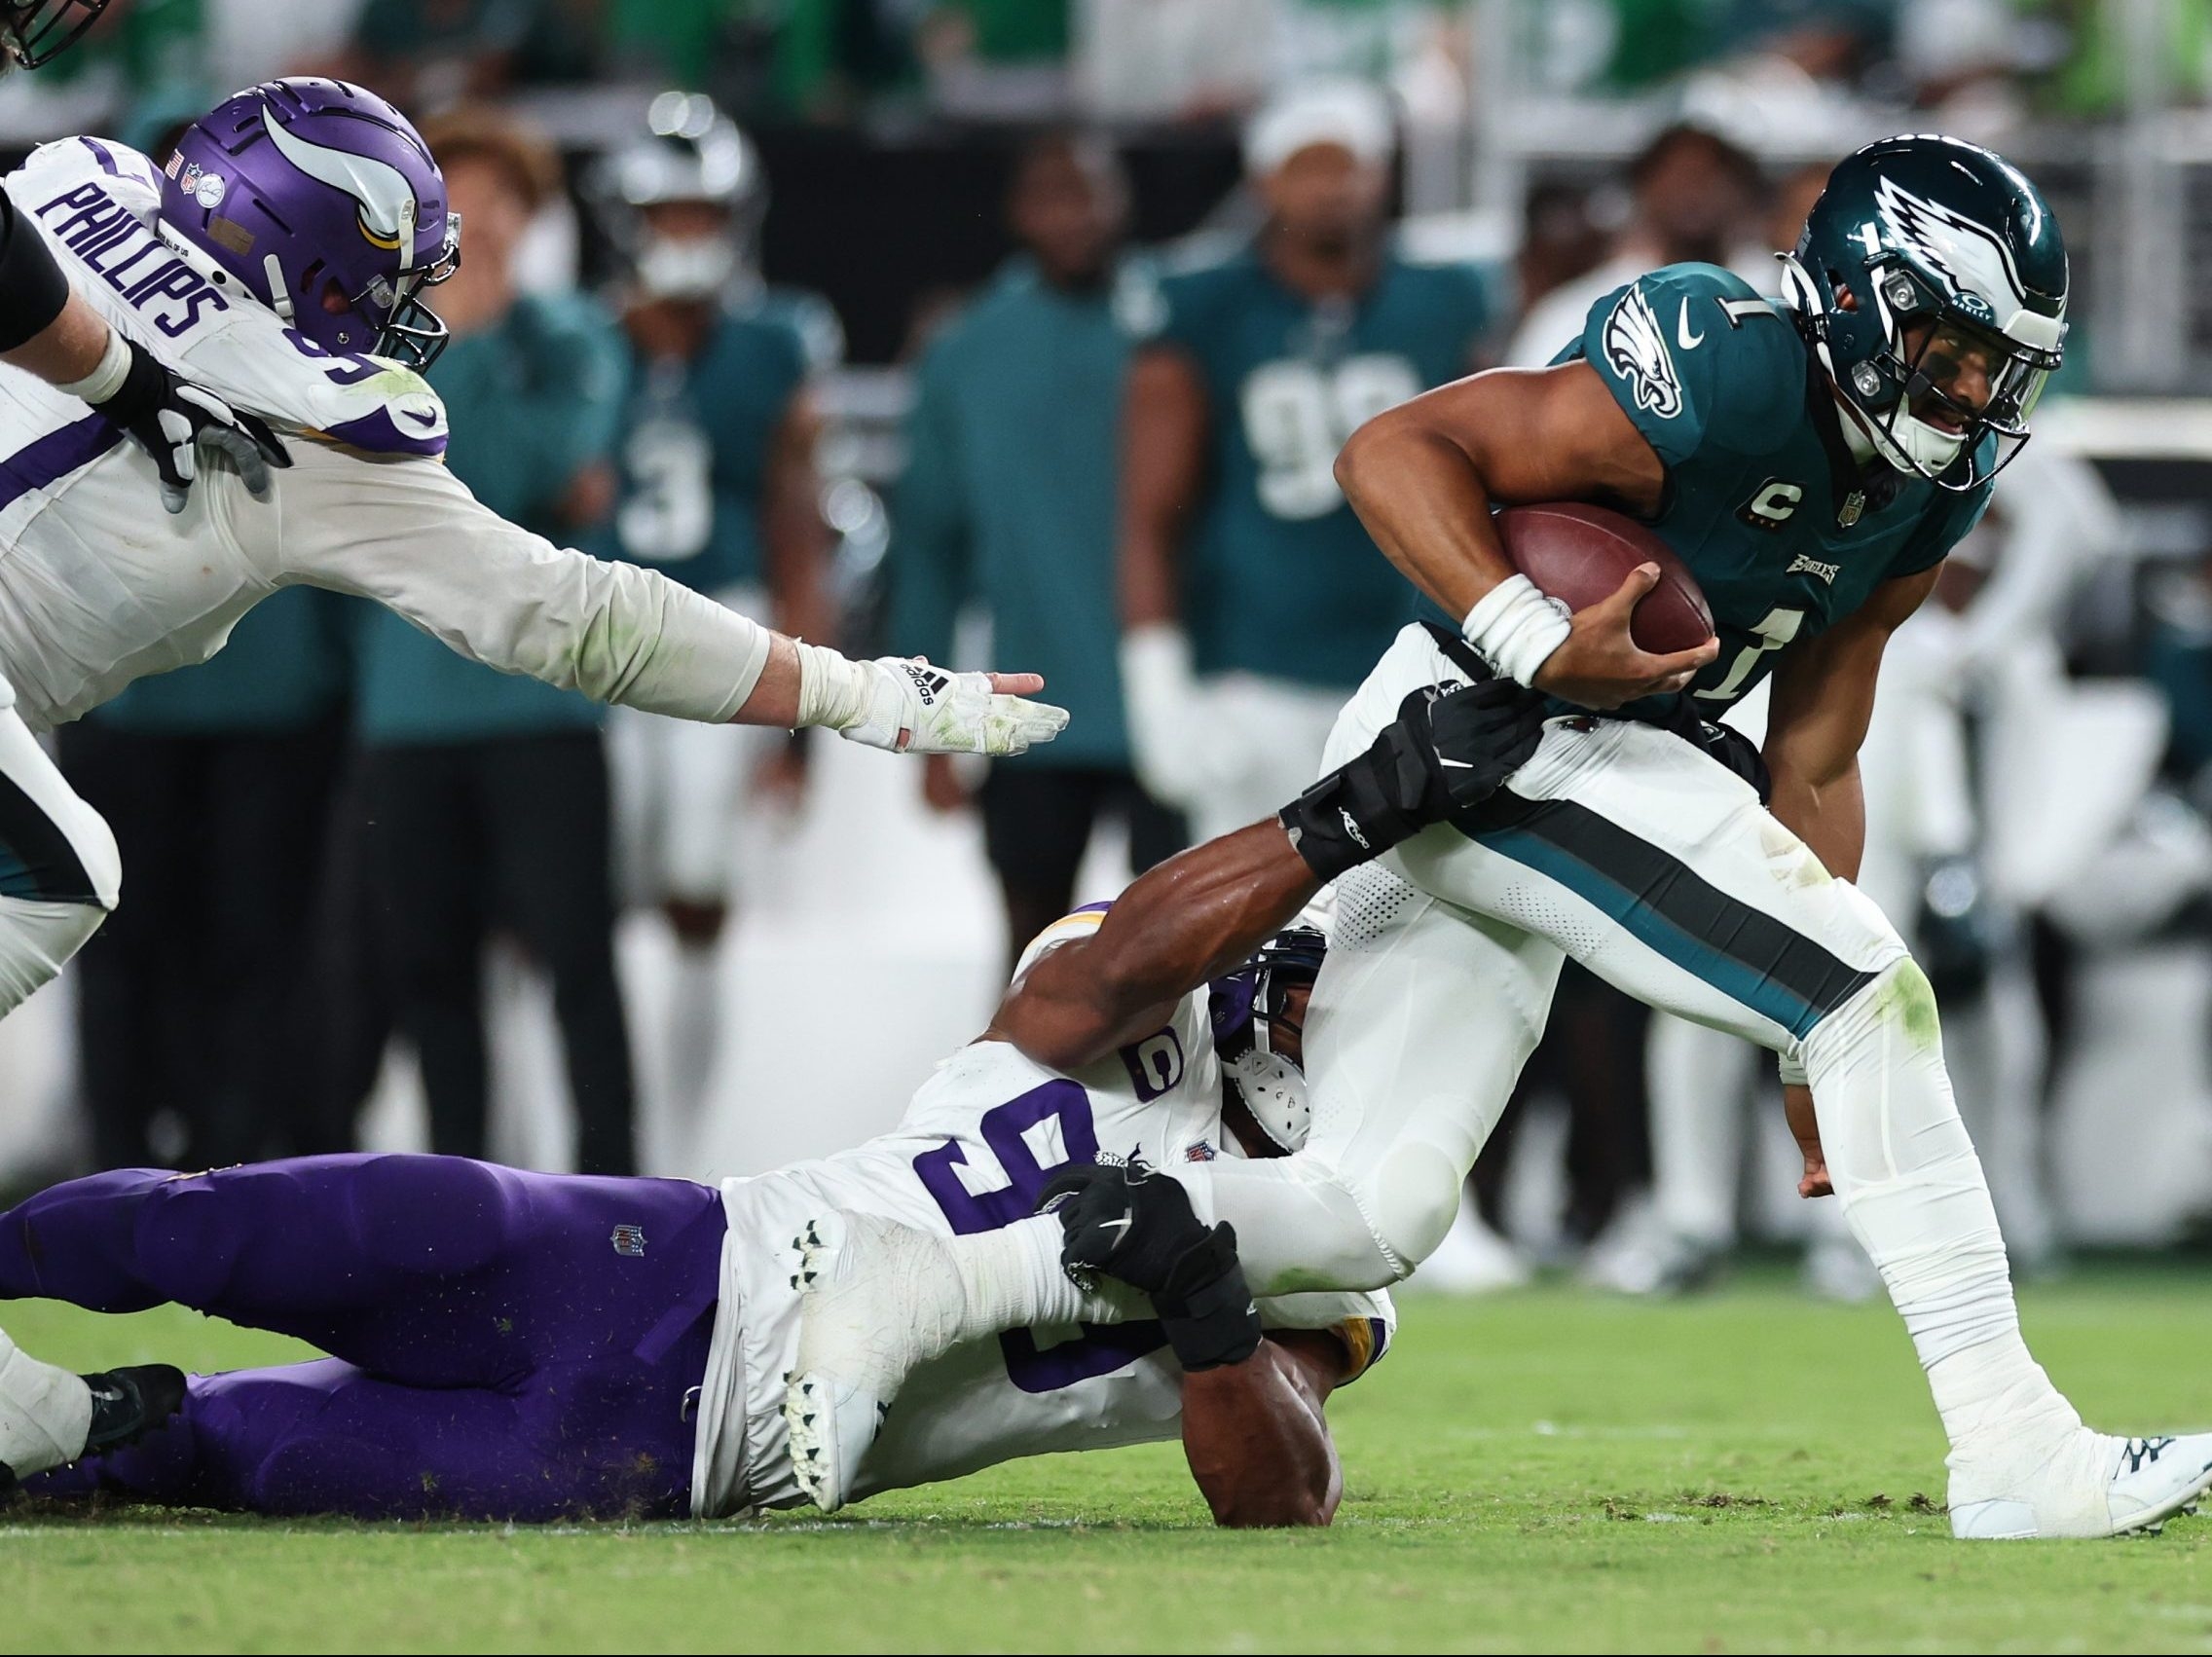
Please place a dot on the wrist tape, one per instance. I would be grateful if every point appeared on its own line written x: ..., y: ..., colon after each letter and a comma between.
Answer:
x: 1515, y: 628
x: 107, y: 378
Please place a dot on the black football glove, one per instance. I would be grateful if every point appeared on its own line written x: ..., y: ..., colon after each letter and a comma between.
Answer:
x: 168, y: 418
x: 1450, y: 749
x: 1138, y: 1227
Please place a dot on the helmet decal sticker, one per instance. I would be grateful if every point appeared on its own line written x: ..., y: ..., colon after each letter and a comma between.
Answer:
x: 386, y: 200
x: 1970, y: 257
x: 1636, y: 346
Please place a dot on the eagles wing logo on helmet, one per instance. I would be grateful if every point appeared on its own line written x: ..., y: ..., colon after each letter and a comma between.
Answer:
x: 1636, y: 347
x: 386, y: 200
x: 1970, y: 258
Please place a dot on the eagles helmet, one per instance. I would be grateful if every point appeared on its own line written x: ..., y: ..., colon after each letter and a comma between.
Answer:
x: 34, y: 33
x: 1249, y: 1011
x: 689, y: 152
x: 1925, y: 229
x: 322, y: 202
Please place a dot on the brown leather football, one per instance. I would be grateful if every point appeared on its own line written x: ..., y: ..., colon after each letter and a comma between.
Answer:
x: 1581, y: 554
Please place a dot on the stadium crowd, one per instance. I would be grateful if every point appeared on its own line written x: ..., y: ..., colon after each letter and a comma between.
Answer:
x: 1116, y: 452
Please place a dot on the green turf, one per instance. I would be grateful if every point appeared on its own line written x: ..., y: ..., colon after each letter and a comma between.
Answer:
x: 1543, y: 1471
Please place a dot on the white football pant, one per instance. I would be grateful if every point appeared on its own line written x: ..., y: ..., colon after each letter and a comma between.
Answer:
x: 1659, y: 871
x: 57, y: 857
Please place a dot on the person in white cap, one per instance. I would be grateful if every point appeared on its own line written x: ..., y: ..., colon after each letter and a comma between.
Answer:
x: 1251, y: 596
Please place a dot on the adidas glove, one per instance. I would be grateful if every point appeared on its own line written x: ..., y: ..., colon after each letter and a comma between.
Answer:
x: 904, y: 704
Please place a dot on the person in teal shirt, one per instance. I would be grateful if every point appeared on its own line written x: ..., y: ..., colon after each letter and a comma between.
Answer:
x: 191, y: 1021
x: 486, y: 794
x: 719, y: 491
x: 1253, y: 599
x: 1009, y: 499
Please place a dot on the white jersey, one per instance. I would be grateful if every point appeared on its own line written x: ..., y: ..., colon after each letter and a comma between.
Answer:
x: 98, y: 586
x: 981, y: 1139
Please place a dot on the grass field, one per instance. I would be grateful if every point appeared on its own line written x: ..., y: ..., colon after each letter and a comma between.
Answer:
x: 1543, y: 1471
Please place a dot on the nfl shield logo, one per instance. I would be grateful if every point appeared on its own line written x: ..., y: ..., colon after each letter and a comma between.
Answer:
x: 630, y: 1241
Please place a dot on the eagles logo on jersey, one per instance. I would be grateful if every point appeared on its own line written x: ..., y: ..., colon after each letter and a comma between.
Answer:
x: 1636, y: 347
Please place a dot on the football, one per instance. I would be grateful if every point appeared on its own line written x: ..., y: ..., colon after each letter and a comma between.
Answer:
x: 1581, y: 554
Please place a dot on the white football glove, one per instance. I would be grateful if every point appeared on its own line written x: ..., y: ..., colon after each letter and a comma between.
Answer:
x: 911, y: 707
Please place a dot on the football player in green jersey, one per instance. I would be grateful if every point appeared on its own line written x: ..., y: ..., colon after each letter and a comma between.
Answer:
x: 1252, y: 599
x: 720, y: 490
x: 1812, y: 462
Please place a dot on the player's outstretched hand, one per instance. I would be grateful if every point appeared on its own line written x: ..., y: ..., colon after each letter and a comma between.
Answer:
x: 1600, y: 665
x: 915, y: 707
x: 170, y: 417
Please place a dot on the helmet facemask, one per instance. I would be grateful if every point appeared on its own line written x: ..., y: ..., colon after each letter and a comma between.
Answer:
x: 407, y: 330
x: 1937, y: 361
x: 35, y: 32
x: 1259, y: 1022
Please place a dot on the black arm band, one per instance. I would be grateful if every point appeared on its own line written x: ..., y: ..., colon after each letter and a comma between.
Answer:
x: 32, y: 289
x: 1206, y: 1307
x: 1362, y: 808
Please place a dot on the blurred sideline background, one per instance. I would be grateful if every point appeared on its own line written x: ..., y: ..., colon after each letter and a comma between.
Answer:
x: 746, y: 952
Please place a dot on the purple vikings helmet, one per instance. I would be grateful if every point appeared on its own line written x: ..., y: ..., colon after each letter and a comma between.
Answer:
x: 323, y: 201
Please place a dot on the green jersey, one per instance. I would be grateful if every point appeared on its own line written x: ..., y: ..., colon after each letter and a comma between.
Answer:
x: 1785, y: 531
x: 697, y: 436
x: 1280, y: 578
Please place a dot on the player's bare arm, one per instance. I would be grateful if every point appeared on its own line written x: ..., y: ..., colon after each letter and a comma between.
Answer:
x: 1184, y: 922
x: 1255, y: 1435
x: 1824, y: 699
x: 1424, y: 475
x: 1198, y: 915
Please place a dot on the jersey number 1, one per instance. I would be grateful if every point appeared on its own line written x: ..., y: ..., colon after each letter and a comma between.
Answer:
x: 1778, y: 627
x: 1058, y: 1109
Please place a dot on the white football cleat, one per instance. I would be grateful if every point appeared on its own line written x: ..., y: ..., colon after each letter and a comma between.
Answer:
x: 879, y: 1299
x: 2096, y: 1486
x: 46, y: 1415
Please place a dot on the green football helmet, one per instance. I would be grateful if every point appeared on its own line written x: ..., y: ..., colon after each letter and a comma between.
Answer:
x: 1931, y: 278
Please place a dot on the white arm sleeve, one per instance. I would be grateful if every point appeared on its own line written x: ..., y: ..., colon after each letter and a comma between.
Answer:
x: 407, y: 534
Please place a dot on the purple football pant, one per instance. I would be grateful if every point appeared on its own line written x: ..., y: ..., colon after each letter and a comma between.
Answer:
x: 503, y: 1345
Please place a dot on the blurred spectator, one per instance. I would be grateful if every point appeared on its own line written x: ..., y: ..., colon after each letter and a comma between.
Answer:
x: 1560, y: 241
x: 997, y: 60
x: 1009, y: 498
x: 1694, y: 192
x: 719, y: 490
x: 194, y: 1035
x: 1254, y: 599
x: 1171, y: 60
x: 430, y: 55
x: 2177, y: 660
x: 487, y: 794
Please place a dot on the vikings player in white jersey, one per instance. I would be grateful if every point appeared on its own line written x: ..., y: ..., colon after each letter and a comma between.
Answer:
x: 520, y: 1346
x: 49, y: 330
x: 278, y: 257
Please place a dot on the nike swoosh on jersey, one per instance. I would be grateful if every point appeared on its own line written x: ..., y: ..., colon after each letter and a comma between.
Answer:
x: 426, y: 419
x: 1682, y: 335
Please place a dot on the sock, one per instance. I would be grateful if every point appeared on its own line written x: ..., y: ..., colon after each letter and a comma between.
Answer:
x: 1013, y: 1279
x: 1914, y: 1194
